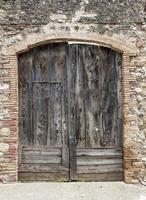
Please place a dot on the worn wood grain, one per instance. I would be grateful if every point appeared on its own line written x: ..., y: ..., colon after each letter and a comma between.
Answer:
x: 90, y: 57
x: 79, y: 96
x: 43, y: 168
x: 43, y: 110
x: 88, y: 160
x: 31, y: 150
x: 92, y: 169
x: 29, y: 177
x: 70, y: 112
x: 41, y: 159
x: 99, y: 152
x: 101, y: 177
x: 110, y: 94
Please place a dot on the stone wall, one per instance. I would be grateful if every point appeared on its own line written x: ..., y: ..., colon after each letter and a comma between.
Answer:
x: 112, y: 23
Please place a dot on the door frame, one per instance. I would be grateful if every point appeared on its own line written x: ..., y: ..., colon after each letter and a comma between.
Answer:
x: 128, y: 51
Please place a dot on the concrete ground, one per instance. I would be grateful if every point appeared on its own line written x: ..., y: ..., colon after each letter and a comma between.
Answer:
x: 72, y: 191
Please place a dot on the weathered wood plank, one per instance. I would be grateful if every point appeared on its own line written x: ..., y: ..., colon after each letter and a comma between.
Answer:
x: 88, y: 160
x: 40, y: 113
x: 43, y: 168
x: 27, y: 177
x: 100, y: 177
x: 41, y: 155
x: 41, y: 159
x: 56, y: 115
x: 99, y: 152
x: 28, y: 147
x: 65, y: 156
x: 78, y: 67
x: 24, y: 112
x: 41, y: 151
x: 90, y: 56
x: 91, y: 169
x: 71, y: 111
x: 110, y: 75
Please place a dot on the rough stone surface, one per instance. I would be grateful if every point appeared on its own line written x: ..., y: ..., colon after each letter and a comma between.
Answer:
x: 4, y: 147
x: 4, y: 132
x: 25, y: 22
x: 36, y: 12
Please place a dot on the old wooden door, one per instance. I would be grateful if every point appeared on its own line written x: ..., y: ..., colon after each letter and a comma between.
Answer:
x: 95, y: 100
x: 43, y: 114
x: 70, y: 107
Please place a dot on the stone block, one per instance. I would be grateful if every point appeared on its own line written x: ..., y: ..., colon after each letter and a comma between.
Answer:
x: 4, y: 147
x: 4, y: 86
x: 3, y: 72
x: 4, y: 132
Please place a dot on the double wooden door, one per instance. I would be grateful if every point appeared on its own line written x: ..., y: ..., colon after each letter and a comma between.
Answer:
x: 70, y: 113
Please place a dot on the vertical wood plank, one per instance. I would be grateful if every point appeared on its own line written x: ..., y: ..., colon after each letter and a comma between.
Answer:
x: 24, y: 99
x: 79, y: 95
x: 71, y: 113
x: 48, y: 109
x: 91, y: 76
x: 40, y: 113
x: 56, y: 116
x: 109, y: 96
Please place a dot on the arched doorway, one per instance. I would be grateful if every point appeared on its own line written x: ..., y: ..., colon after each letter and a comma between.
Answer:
x: 70, y: 113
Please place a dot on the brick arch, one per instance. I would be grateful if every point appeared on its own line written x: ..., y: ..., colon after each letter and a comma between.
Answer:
x: 128, y: 50
x: 114, y: 43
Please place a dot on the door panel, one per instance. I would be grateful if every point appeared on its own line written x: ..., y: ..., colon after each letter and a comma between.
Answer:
x: 70, y: 113
x: 43, y: 114
x: 47, y: 113
x: 96, y: 111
